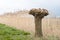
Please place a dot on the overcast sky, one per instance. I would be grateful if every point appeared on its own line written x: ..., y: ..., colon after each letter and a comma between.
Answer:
x: 13, y: 5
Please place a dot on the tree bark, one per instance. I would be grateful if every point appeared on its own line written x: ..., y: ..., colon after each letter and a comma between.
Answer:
x: 38, y: 26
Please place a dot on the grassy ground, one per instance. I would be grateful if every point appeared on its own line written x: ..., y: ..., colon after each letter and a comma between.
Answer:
x: 8, y: 33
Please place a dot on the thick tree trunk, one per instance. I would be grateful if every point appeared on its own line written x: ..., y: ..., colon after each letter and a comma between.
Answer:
x: 38, y: 27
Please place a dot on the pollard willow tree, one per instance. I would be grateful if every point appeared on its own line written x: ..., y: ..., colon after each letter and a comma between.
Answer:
x: 38, y: 15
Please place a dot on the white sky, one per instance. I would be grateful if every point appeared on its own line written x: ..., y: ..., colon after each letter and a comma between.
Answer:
x: 13, y: 5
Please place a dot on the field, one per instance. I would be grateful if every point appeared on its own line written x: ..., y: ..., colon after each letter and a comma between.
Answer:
x: 50, y: 27
x: 8, y: 33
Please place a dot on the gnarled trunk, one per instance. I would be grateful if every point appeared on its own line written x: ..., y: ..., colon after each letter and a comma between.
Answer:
x: 38, y: 26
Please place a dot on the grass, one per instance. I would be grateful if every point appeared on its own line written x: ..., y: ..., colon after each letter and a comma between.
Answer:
x: 8, y: 33
x: 51, y: 38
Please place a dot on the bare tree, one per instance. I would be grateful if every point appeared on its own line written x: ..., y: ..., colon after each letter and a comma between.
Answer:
x: 38, y: 14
